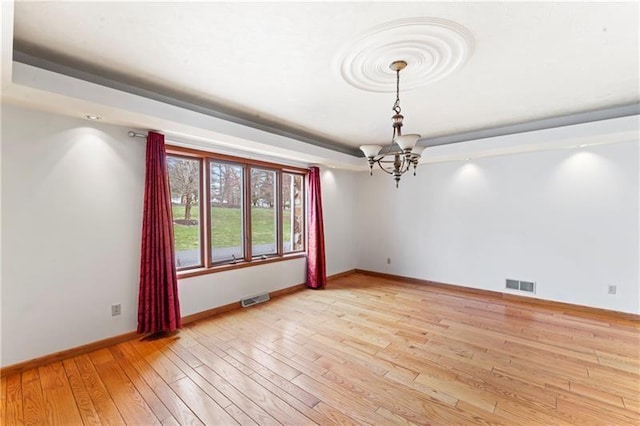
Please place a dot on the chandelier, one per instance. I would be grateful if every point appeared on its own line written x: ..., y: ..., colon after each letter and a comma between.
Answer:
x: 401, y: 154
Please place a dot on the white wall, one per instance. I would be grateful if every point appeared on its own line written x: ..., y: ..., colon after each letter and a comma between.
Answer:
x: 71, y: 222
x: 71, y: 210
x: 338, y: 205
x: 566, y: 219
x: 72, y: 206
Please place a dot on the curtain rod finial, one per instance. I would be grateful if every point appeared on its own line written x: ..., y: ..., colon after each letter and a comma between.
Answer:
x: 133, y: 134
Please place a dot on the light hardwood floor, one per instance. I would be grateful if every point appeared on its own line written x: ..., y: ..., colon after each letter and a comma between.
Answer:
x: 367, y: 350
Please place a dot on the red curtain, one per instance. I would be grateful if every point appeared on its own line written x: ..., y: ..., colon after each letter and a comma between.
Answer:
x: 158, y: 305
x: 316, y: 265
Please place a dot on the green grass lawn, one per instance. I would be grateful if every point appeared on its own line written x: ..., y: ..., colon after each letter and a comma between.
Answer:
x: 226, y: 227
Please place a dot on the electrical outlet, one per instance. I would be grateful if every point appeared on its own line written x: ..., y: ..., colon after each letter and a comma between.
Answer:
x: 612, y: 289
x: 388, y: 261
x: 116, y: 310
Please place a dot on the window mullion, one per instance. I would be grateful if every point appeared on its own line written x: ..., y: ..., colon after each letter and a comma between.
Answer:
x: 205, y: 212
x: 247, y: 212
x: 279, y: 207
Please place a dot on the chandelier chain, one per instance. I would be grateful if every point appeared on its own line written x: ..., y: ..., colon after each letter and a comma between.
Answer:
x: 396, y: 106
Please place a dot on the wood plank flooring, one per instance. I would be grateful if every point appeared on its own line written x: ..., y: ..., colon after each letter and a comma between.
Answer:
x: 367, y: 350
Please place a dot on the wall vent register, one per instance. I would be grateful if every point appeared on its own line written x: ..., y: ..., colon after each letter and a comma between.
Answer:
x: 246, y: 302
x: 526, y: 286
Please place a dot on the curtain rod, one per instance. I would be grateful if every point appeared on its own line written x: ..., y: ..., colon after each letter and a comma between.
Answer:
x: 292, y: 164
x: 133, y: 134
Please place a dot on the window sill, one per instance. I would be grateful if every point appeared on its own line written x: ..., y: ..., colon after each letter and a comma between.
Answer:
x: 231, y: 266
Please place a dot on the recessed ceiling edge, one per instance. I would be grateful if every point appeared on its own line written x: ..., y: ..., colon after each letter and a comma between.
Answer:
x: 253, y: 122
x: 616, y: 111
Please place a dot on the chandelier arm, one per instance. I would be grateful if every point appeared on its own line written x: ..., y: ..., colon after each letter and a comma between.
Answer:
x: 382, y: 160
x: 403, y: 167
x: 386, y: 170
x: 390, y: 158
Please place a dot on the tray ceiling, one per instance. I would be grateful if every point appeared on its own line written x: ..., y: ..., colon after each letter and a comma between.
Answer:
x: 283, y: 63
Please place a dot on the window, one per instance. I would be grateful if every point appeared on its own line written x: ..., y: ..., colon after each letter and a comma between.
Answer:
x: 233, y: 211
x: 292, y: 213
x: 263, y: 212
x: 184, y: 181
x: 225, y: 197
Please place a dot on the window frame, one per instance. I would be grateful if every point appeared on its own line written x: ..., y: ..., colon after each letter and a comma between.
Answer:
x: 202, y: 232
x: 303, y: 198
x: 211, y: 262
x: 207, y: 265
x: 277, y: 189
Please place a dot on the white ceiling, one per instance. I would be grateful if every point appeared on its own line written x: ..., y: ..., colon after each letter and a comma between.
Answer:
x: 280, y: 62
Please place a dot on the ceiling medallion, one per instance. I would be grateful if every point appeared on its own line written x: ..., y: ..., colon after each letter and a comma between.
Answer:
x: 434, y: 47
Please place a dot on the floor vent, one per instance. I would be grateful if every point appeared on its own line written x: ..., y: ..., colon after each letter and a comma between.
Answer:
x: 526, y: 286
x: 254, y: 300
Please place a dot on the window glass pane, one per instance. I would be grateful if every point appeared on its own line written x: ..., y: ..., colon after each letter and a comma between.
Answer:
x: 227, y: 219
x: 184, y: 180
x: 292, y: 213
x: 263, y: 212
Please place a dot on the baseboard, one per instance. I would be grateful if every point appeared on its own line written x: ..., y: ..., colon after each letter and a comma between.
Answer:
x: 67, y: 353
x: 132, y: 335
x: 551, y: 304
x: 340, y: 274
